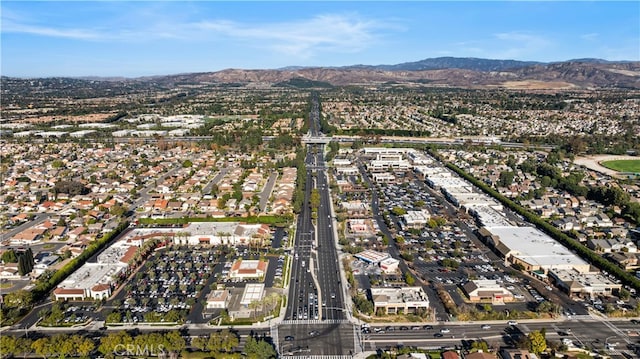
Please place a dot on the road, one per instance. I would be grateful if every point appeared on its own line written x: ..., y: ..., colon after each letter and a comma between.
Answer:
x: 315, y: 320
x: 218, y: 177
x: 266, y: 191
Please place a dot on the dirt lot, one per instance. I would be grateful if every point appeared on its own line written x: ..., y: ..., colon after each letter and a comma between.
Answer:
x: 536, y: 85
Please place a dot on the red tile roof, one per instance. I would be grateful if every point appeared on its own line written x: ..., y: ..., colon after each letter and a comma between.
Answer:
x: 129, y: 254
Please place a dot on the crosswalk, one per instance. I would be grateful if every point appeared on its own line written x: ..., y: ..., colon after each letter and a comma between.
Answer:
x: 315, y: 321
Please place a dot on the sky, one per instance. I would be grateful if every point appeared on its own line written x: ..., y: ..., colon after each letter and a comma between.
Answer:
x: 144, y: 38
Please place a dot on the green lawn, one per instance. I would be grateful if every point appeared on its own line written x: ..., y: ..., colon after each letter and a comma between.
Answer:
x: 623, y: 165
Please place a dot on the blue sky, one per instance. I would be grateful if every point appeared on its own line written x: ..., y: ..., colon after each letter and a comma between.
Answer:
x: 141, y: 38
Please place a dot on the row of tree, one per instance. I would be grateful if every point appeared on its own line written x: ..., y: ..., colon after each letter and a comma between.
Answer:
x: 118, y: 344
x: 59, y: 345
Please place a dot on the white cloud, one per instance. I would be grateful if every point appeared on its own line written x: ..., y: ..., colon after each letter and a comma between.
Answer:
x: 302, y: 38
x: 9, y: 26
x: 590, y: 37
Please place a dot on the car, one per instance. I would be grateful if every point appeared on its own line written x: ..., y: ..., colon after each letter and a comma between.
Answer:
x: 444, y: 331
x: 485, y: 326
x: 512, y: 322
x: 313, y: 333
x: 288, y: 338
x: 427, y: 327
x: 438, y: 335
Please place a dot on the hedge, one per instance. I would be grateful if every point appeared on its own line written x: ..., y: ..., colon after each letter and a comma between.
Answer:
x: 43, y: 287
x: 271, y: 220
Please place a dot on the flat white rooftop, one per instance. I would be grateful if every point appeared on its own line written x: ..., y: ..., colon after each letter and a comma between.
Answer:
x: 535, y: 247
x: 252, y: 292
x: 372, y: 256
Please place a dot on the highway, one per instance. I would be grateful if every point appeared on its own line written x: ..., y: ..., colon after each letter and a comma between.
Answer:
x: 315, y: 320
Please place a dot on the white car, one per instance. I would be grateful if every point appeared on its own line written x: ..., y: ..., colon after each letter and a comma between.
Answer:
x: 512, y: 322
x: 444, y: 330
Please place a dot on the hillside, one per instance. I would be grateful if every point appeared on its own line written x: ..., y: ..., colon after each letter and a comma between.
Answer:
x: 444, y: 71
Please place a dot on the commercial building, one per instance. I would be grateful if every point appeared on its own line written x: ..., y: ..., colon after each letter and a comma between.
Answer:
x: 415, y: 219
x: 217, y: 233
x: 534, y: 250
x: 218, y: 299
x: 487, y: 290
x: 371, y: 256
x: 248, y: 269
x: 396, y: 300
x: 584, y: 285
x: 389, y: 265
x: 97, y: 279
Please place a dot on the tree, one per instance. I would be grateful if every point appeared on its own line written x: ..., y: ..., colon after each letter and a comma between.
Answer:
x: 8, y: 345
x: 43, y: 347
x: 259, y: 349
x: 114, y: 317
x: 23, y: 345
x: 199, y: 343
x: 174, y: 341
x: 409, y: 279
x: 479, y: 345
x: 187, y: 164
x: 547, y: 307
x: 314, y: 200
x: 62, y: 345
x: 20, y: 298
x: 113, y: 341
x: 624, y: 294
x: 228, y: 340
x: 118, y: 210
x: 82, y: 346
x: 506, y: 178
x: 537, y: 342
x: 9, y: 256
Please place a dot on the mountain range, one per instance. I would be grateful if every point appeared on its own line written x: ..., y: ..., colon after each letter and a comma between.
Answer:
x: 445, y: 71
x: 441, y: 72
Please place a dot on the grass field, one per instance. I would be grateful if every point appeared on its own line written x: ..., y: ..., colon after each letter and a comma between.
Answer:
x: 623, y: 165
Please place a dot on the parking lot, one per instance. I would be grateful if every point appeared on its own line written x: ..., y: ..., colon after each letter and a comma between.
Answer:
x: 172, y: 280
x: 446, y: 253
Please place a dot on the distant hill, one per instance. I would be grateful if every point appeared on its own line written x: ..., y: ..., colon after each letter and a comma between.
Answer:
x: 465, y: 63
x: 441, y: 72
x: 301, y: 82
